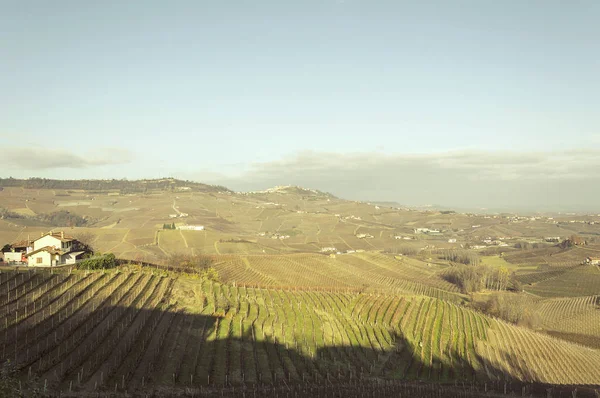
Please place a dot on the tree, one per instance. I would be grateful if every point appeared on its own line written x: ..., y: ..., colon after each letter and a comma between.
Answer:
x: 85, y: 239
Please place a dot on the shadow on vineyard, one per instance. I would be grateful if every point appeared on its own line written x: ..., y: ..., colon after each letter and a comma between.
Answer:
x: 114, y: 351
x: 583, y: 339
x: 118, y: 333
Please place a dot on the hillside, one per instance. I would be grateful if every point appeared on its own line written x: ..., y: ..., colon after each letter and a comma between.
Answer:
x: 312, y: 290
x: 127, y: 218
x: 139, y: 331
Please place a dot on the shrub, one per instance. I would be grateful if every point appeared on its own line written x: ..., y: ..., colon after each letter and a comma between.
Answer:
x: 511, y: 307
x: 189, y: 263
x: 211, y: 274
x: 105, y: 261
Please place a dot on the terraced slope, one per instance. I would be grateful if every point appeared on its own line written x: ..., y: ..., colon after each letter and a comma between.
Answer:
x: 135, y: 331
x: 580, y: 281
x: 367, y: 271
x: 575, y: 319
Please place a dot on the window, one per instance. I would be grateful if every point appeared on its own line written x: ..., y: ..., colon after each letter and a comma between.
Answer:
x: 38, y: 260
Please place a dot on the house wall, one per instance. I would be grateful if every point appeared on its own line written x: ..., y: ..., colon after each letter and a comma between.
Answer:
x: 52, y: 241
x: 68, y: 258
x: 47, y: 240
x: 46, y: 259
x: 12, y: 256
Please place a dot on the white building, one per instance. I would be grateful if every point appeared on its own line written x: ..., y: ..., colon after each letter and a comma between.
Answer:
x: 328, y: 249
x: 191, y: 227
x: 426, y: 231
x: 364, y: 236
x: 592, y: 260
x: 52, y: 249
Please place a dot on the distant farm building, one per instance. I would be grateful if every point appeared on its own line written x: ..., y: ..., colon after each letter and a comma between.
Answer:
x: 191, y: 227
x: 328, y: 249
x: 555, y: 239
x: 364, y: 236
x: 426, y: 231
x: 451, y: 240
x: 592, y: 260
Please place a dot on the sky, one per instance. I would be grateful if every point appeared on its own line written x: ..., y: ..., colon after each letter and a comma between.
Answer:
x: 464, y: 103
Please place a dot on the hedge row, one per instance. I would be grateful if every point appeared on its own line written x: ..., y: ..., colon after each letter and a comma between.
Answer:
x: 105, y: 261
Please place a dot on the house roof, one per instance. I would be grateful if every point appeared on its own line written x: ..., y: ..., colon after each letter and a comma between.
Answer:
x: 48, y: 249
x: 58, y: 235
x: 22, y: 243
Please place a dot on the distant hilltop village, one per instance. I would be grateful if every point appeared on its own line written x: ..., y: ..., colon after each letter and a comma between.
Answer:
x: 289, y: 189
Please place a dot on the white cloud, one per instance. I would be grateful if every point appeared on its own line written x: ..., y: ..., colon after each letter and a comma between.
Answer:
x: 461, y: 178
x: 46, y: 158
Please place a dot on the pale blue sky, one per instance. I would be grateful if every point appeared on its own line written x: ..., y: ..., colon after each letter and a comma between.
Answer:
x: 197, y: 89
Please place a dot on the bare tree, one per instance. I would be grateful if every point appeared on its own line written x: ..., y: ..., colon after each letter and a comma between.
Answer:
x: 86, y: 239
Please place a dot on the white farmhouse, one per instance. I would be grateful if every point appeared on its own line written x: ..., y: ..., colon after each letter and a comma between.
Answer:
x: 52, y: 249
x: 328, y: 249
x: 191, y: 227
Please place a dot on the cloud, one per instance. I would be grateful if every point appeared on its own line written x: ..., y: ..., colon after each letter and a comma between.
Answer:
x: 44, y: 158
x: 465, y: 179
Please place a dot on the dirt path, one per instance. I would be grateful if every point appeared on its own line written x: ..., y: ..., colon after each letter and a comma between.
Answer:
x: 29, y: 208
x: 122, y: 241
x: 175, y: 208
x: 346, y: 243
x: 158, y: 244
x: 184, y: 240
x: 217, y: 247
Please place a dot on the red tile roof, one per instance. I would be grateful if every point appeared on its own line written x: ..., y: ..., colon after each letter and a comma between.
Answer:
x: 22, y: 243
x: 48, y: 249
x: 58, y: 235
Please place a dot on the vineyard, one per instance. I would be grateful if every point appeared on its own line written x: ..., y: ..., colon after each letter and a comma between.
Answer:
x: 578, y: 281
x: 368, y: 271
x: 74, y: 332
x: 575, y: 319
